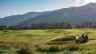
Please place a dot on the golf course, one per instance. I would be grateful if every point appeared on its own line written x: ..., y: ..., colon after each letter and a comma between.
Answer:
x: 46, y: 41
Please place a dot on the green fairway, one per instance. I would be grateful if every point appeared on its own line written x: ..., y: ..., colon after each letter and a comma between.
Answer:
x: 36, y: 41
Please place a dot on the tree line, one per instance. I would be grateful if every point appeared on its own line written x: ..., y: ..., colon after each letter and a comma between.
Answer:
x: 86, y: 25
x: 59, y: 25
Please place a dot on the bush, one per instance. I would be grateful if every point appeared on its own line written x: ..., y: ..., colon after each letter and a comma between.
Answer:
x: 1, y: 52
x: 73, y: 48
x: 55, y: 49
x: 23, y: 51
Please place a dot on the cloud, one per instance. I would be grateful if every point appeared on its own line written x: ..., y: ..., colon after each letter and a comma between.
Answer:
x: 77, y: 2
x: 69, y: 3
x: 88, y: 1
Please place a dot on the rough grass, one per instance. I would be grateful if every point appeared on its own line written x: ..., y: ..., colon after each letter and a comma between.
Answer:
x: 53, y: 41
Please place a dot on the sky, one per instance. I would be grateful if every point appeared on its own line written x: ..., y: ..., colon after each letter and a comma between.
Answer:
x: 15, y: 7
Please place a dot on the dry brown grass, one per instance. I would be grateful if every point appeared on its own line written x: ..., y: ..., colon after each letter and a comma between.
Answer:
x: 15, y: 44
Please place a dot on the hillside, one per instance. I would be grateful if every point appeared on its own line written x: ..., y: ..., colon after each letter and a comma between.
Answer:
x: 15, y: 19
x: 74, y: 15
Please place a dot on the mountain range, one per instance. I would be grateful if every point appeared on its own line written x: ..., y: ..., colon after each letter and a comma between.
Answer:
x: 15, y: 19
x: 74, y: 15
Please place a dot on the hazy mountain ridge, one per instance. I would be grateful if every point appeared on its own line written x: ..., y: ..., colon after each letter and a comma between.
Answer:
x: 74, y: 15
x: 15, y: 19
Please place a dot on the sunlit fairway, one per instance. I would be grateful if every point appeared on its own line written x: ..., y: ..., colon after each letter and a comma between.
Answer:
x: 41, y: 41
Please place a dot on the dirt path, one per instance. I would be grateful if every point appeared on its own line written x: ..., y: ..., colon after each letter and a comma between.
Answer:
x: 41, y: 41
x: 91, y: 41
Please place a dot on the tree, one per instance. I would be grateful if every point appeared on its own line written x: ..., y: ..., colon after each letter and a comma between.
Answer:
x: 87, y: 24
x: 3, y: 27
x: 11, y: 27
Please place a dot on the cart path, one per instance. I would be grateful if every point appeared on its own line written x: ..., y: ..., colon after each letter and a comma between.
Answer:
x: 41, y: 41
x: 91, y: 41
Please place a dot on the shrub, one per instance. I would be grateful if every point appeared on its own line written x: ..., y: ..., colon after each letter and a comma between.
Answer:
x: 23, y: 51
x: 55, y: 49
x: 73, y: 48
x: 1, y: 52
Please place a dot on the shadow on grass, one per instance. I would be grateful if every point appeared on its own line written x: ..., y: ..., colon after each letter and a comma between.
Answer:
x: 51, y: 49
x: 62, y: 40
